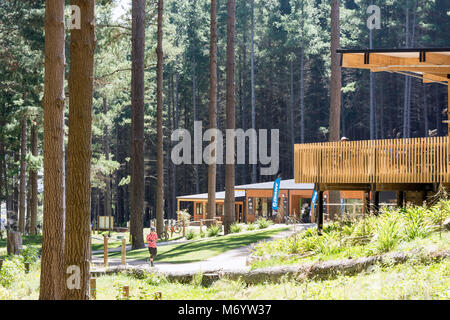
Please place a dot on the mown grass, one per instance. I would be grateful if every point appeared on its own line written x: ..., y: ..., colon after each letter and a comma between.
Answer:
x: 200, y: 250
x: 403, y: 229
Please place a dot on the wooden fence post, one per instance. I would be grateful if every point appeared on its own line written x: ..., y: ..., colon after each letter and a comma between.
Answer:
x: 93, y: 287
x: 158, y: 296
x: 126, y: 292
x: 124, y: 252
x: 105, y: 252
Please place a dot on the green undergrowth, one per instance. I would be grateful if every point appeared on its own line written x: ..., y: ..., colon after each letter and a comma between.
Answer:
x: 393, y: 230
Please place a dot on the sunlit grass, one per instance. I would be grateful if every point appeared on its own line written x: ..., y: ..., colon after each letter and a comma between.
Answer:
x: 202, y: 249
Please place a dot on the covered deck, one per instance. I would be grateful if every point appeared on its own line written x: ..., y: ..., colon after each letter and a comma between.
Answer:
x: 417, y: 164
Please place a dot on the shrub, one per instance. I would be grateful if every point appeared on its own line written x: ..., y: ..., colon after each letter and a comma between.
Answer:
x: 328, y: 244
x: 251, y: 226
x: 30, y: 254
x: 213, y: 231
x: 415, y: 225
x: 190, y: 234
x: 11, y: 270
x: 235, y: 228
x: 388, y: 232
x: 263, y: 223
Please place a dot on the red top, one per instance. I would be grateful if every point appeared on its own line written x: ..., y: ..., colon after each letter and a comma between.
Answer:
x: 151, y: 239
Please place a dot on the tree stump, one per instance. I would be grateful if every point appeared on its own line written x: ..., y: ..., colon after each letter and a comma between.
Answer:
x: 14, y: 243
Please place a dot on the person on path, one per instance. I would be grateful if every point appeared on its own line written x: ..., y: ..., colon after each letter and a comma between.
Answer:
x: 152, y: 238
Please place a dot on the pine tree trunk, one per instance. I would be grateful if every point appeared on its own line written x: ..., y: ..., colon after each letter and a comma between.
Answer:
x: 230, y: 71
x: 252, y: 70
x: 34, y: 182
x: 291, y: 117
x: 78, y: 199
x: 211, y: 211
x: 52, y: 267
x: 302, y: 96
x: 107, y: 150
x: 137, y: 185
x: 23, y: 176
x: 335, y: 98
x: 159, y: 123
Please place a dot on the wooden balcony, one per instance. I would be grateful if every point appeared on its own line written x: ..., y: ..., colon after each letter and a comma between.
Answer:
x: 394, y: 161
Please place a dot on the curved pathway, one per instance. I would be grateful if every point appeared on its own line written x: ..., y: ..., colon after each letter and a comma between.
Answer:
x: 232, y: 260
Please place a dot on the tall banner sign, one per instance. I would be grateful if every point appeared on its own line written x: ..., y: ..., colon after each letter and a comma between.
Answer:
x: 276, y: 191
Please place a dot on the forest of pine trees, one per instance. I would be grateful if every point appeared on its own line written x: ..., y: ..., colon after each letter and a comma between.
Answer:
x: 163, y: 65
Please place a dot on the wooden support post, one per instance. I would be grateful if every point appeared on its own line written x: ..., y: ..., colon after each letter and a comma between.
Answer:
x: 105, y: 250
x: 320, y: 213
x: 366, y: 207
x: 400, y: 199
x: 376, y: 202
x: 201, y: 225
x: 354, y: 210
x: 126, y: 292
x: 93, y: 288
x: 124, y: 252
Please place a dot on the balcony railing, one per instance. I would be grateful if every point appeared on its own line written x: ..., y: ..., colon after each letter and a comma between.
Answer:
x: 416, y: 160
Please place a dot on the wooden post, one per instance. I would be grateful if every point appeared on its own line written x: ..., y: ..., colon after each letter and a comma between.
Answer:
x: 376, y: 202
x: 201, y: 225
x: 27, y: 267
x: 400, y: 199
x: 158, y: 295
x: 93, y: 288
x: 354, y: 210
x: 320, y: 213
x: 124, y: 252
x: 105, y: 252
x: 366, y: 206
x: 126, y: 292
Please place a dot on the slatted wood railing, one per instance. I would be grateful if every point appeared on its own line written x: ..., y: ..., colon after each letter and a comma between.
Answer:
x: 417, y: 160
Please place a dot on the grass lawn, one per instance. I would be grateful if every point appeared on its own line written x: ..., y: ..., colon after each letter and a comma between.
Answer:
x: 201, y: 249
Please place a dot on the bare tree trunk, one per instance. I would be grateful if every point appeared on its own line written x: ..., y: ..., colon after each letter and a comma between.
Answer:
x: 107, y: 150
x: 252, y: 67
x: 52, y: 266
x: 23, y: 176
x: 137, y: 184
x: 336, y: 85
x: 230, y: 71
x: 372, y: 93
x: 425, y: 110
x: 34, y: 182
x: 159, y: 121
x: 79, y: 149
x: 291, y: 116
x: 302, y: 96
x: 211, y: 211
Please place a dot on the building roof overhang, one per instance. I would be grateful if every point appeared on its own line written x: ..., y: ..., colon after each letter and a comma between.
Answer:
x: 429, y: 64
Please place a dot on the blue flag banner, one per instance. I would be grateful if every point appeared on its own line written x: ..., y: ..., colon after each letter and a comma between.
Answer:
x: 314, y: 199
x: 276, y: 190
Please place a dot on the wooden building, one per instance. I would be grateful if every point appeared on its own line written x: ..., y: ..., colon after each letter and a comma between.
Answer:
x: 254, y: 201
x: 414, y: 168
